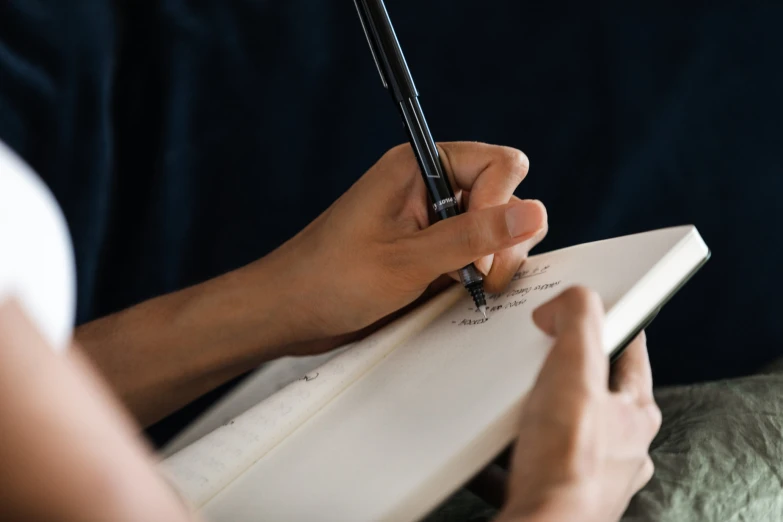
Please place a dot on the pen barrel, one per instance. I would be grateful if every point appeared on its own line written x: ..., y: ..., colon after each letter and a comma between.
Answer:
x: 396, y: 77
x: 442, y: 199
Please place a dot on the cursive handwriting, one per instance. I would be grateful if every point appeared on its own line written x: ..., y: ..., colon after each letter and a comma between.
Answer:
x: 531, y: 272
x: 511, y: 298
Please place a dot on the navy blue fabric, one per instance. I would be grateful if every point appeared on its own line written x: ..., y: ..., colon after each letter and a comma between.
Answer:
x: 186, y: 138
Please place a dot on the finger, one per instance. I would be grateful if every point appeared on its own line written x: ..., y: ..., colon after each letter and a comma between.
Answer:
x: 645, y: 474
x: 508, y: 262
x: 456, y: 242
x: 576, y: 361
x: 634, y: 426
x: 632, y: 374
x: 491, y: 174
x: 499, y: 269
x: 631, y: 480
x: 483, y: 264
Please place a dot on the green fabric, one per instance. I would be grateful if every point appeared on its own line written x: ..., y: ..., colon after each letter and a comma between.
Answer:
x: 718, y: 457
x: 719, y: 454
x: 463, y: 506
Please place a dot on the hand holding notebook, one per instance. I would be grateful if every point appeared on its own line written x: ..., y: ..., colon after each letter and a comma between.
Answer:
x: 591, y: 438
x: 391, y: 426
x: 374, y: 252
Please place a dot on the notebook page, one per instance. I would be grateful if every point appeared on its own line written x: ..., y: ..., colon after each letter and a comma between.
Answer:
x: 373, y: 453
x: 261, y: 384
x: 200, y: 470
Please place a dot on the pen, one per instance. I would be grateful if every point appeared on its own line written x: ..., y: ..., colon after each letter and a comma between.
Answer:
x: 397, y: 79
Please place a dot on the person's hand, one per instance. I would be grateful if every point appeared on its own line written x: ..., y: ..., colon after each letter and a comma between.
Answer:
x: 582, y: 451
x: 374, y: 251
x: 365, y: 260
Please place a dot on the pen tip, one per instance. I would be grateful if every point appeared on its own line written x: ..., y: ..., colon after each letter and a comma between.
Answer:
x: 483, y: 310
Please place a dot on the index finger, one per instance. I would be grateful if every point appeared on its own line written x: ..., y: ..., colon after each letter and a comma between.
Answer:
x: 490, y: 172
x: 576, y: 361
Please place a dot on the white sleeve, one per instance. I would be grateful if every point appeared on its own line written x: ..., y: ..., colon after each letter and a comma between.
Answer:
x: 36, y: 254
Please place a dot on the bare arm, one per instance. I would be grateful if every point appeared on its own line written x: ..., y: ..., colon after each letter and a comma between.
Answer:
x: 369, y: 255
x: 68, y: 450
x: 583, y: 446
x: 167, y: 351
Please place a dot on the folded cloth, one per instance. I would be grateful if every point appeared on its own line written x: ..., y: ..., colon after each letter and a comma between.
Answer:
x: 719, y: 454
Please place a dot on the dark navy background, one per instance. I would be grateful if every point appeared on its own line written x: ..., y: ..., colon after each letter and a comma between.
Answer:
x: 186, y: 138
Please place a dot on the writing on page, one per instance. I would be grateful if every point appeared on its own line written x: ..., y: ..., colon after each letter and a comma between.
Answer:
x: 524, y: 283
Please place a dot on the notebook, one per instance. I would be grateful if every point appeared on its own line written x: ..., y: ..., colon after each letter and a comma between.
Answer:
x: 398, y: 421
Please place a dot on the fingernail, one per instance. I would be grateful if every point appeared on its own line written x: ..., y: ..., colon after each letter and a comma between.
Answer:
x: 523, y: 219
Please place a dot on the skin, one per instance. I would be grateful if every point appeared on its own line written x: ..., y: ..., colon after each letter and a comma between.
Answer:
x: 591, y: 430
x: 87, y: 464
x: 339, y: 278
x: 69, y: 450
x: 368, y: 256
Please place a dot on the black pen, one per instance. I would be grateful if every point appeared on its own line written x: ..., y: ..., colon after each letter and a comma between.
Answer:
x: 397, y: 79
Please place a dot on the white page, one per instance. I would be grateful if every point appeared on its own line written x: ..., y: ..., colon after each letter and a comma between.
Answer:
x: 204, y: 468
x: 421, y: 422
x: 256, y: 387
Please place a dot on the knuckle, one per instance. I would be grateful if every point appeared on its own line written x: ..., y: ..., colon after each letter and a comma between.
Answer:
x: 495, y: 283
x: 398, y: 150
x: 399, y: 266
x: 582, y: 300
x: 648, y: 470
x: 517, y: 161
x: 542, y: 233
x: 655, y: 416
x: 582, y: 455
x: 571, y: 436
x: 473, y: 236
x: 399, y: 154
x: 399, y: 162
x: 395, y: 257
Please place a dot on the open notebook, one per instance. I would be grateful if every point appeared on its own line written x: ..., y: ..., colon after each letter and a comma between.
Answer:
x: 389, y: 428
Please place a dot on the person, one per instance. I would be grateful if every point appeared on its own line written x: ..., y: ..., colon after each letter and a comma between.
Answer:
x: 369, y: 256
x: 590, y: 439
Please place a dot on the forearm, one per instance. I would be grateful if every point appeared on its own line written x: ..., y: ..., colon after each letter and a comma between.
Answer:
x: 164, y: 353
x: 68, y: 452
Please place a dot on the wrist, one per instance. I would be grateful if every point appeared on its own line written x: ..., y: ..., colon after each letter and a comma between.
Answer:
x: 282, y: 303
x: 260, y: 308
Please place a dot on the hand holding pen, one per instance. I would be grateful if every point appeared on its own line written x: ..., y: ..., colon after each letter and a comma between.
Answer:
x: 397, y: 79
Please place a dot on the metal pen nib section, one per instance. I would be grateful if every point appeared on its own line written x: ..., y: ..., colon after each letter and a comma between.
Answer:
x: 473, y: 281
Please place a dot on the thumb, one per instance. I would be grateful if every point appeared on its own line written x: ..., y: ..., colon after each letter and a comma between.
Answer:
x: 576, y: 360
x: 456, y: 242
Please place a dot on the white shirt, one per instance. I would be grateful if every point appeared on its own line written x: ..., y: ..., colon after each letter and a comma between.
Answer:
x: 36, y: 253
